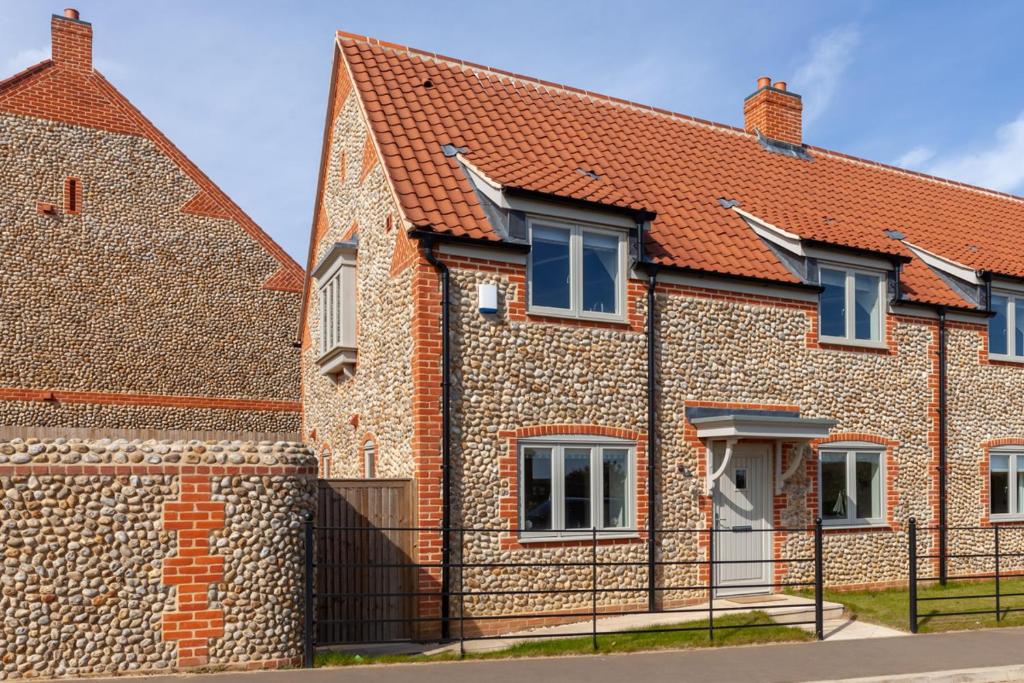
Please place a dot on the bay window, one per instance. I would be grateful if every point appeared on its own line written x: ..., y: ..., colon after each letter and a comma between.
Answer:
x: 851, y: 483
x: 852, y: 306
x: 1006, y: 327
x: 1006, y: 484
x: 568, y: 487
x: 577, y: 270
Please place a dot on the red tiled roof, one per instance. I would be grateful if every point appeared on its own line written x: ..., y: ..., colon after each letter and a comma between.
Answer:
x: 532, y: 135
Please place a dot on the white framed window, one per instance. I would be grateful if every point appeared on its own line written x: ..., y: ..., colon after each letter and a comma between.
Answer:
x: 577, y: 270
x: 335, y: 277
x: 370, y: 459
x: 851, y: 485
x: 570, y: 486
x: 1006, y: 327
x: 1006, y: 484
x: 851, y: 306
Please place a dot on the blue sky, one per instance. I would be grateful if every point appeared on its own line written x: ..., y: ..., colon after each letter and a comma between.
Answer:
x: 241, y: 86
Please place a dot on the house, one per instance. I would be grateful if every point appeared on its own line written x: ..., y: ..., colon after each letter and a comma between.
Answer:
x: 137, y: 295
x: 556, y: 310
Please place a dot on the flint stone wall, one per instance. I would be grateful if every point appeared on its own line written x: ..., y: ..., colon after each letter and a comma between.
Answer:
x: 84, y: 588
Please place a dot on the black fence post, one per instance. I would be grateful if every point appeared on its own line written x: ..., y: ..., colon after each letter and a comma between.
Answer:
x: 711, y: 582
x: 912, y: 573
x: 462, y: 593
x: 998, y: 596
x: 593, y: 588
x: 309, y: 639
x: 819, y: 577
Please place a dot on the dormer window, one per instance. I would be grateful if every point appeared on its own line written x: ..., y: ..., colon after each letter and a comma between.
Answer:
x: 577, y: 270
x: 852, y: 308
x: 1006, y: 327
x: 335, y: 278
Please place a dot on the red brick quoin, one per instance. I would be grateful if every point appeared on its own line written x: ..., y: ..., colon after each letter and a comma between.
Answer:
x: 193, y: 516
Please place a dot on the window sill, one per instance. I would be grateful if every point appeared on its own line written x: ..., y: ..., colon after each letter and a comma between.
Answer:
x: 853, y: 343
x: 855, y: 526
x: 527, y: 538
x: 337, y: 360
x: 563, y: 314
x: 1008, y: 359
x: 1005, y: 519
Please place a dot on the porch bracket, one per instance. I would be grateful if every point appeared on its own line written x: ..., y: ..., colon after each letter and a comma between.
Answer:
x: 710, y: 458
x: 798, y: 457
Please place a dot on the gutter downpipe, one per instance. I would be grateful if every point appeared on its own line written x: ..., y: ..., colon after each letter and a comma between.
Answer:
x: 427, y: 247
x: 652, y: 591
x: 943, y: 531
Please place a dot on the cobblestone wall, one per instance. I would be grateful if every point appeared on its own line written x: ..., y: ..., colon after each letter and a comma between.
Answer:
x: 100, y: 537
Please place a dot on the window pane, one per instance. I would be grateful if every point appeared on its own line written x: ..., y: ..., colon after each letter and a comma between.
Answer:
x: 536, y: 488
x: 615, y: 466
x: 1018, y: 327
x: 577, y: 488
x: 868, y: 468
x: 600, y: 272
x: 1020, y: 489
x: 999, y: 484
x: 549, y: 263
x: 833, y: 486
x: 997, y: 325
x: 833, y: 303
x: 866, y: 306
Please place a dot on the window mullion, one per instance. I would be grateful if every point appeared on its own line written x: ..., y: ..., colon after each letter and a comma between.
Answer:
x: 1011, y: 326
x: 851, y: 489
x: 596, y: 487
x: 576, y: 269
x: 851, y: 317
x: 557, y: 490
x: 1011, y: 486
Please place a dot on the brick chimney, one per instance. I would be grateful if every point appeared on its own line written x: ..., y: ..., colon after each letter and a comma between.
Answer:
x: 774, y: 111
x: 71, y: 41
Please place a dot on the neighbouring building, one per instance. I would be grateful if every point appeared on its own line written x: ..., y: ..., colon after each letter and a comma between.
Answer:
x: 153, y: 483
x: 829, y: 336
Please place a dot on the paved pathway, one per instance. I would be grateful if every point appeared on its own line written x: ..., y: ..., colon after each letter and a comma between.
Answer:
x: 828, y: 661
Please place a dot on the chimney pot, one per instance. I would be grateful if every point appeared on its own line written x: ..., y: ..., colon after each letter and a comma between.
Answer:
x: 71, y: 13
x: 774, y: 112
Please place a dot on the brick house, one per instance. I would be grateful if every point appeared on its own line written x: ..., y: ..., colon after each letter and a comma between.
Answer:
x: 141, y: 296
x: 153, y: 487
x: 556, y: 310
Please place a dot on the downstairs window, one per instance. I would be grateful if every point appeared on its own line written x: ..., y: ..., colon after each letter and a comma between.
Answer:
x: 1006, y: 485
x: 851, y: 483
x: 567, y: 488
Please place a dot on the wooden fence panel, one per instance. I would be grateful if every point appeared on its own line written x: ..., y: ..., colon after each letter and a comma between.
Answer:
x: 358, y: 588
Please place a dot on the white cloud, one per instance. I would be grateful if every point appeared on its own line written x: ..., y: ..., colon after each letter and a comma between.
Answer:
x: 916, y: 157
x: 23, y: 59
x: 819, y: 77
x: 997, y: 165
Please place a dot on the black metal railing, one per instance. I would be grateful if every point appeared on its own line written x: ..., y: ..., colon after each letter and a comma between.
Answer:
x: 981, y: 568
x: 355, y: 597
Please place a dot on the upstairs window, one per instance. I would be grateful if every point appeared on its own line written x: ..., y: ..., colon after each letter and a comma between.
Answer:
x: 567, y: 488
x: 1006, y: 327
x: 577, y: 271
x: 335, y: 277
x: 852, y: 309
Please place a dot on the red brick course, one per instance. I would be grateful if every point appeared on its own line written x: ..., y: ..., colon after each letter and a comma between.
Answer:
x: 112, y: 398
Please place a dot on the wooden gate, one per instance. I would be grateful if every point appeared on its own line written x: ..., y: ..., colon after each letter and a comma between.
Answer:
x: 361, y: 586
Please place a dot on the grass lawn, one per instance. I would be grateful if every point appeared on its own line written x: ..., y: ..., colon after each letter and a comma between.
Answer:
x: 634, y: 641
x: 890, y: 607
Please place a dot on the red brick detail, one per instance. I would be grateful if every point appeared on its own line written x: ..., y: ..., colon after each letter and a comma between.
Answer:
x: 426, y: 437
x: 508, y: 470
x: 777, y: 114
x: 72, y: 196
x: 165, y: 401
x: 343, y: 167
x: 68, y: 90
x: 204, y: 204
x: 404, y: 253
x: 284, y: 280
x: 350, y: 231
x: 193, y: 516
x: 369, y: 158
x: 46, y: 208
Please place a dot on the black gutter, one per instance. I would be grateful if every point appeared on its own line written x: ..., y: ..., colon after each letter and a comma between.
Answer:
x: 943, y: 532
x: 711, y: 274
x: 425, y: 233
x: 427, y: 247
x: 652, y: 592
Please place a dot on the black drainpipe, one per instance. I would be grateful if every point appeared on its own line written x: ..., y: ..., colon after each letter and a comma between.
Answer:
x: 652, y: 600
x: 942, y: 447
x: 446, y: 423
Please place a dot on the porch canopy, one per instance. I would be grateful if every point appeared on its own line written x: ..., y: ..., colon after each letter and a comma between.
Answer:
x: 780, y: 427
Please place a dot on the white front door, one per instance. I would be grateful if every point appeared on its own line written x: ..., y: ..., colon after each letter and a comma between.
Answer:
x: 742, y: 520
